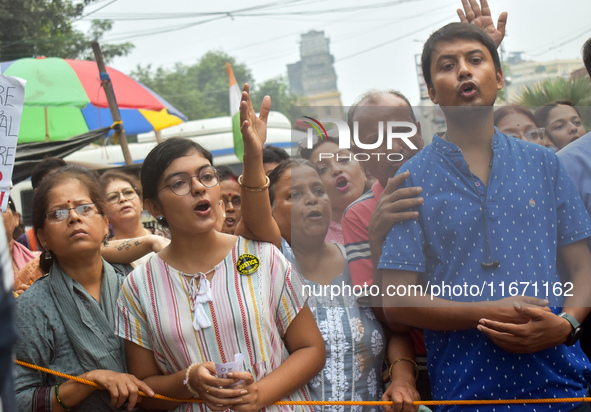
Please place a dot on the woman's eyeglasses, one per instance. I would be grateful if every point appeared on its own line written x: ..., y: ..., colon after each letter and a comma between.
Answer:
x: 61, y: 215
x: 235, y: 200
x: 534, y: 135
x: 181, y: 184
x: 129, y: 193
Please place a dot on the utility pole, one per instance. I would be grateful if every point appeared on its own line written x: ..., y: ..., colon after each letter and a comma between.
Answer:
x: 108, y: 87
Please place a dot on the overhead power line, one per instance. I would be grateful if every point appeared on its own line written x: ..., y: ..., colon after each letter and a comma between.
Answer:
x: 250, y: 12
x: 568, y: 40
x: 245, y: 13
x: 94, y: 11
x: 213, y: 17
x: 377, y: 46
x: 184, y: 15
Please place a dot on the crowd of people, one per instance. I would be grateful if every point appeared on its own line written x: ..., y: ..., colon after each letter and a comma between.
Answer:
x: 240, y: 266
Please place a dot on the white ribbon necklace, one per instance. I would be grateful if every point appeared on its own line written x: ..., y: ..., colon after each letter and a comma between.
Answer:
x: 200, y: 294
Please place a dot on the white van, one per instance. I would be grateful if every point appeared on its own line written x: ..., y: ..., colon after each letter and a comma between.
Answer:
x: 214, y: 134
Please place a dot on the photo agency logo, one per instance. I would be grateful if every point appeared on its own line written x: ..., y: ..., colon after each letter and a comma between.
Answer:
x: 387, y: 131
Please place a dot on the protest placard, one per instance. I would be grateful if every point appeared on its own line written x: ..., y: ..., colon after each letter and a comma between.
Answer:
x: 12, y: 96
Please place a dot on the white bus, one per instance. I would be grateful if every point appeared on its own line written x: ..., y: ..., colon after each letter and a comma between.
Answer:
x: 214, y: 134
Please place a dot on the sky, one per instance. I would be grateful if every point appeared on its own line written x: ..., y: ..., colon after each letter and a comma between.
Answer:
x: 374, y: 42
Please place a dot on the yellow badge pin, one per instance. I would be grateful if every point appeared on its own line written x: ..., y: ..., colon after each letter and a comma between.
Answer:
x: 247, y: 264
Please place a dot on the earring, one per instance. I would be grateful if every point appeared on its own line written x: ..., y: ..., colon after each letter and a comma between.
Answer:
x: 106, y: 240
x: 47, y: 254
x: 160, y: 218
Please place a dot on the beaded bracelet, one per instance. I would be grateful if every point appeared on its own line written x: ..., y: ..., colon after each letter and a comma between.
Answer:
x: 254, y: 189
x: 57, y: 396
x: 186, y: 381
x: 404, y: 358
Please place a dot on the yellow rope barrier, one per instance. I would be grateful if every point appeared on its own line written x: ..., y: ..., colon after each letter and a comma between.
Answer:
x: 503, y: 401
x: 96, y: 385
x: 365, y: 403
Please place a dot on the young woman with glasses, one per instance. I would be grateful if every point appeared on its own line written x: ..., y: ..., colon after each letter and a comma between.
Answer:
x: 66, y: 319
x: 209, y: 296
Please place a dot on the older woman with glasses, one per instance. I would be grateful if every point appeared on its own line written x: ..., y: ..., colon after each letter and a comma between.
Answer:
x: 123, y: 208
x: 124, y: 205
x: 518, y: 122
x: 66, y: 319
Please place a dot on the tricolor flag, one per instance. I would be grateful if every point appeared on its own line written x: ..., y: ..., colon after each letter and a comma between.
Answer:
x: 235, y: 96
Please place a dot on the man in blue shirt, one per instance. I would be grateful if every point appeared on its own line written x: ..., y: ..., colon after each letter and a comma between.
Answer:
x: 497, y: 213
x: 576, y: 158
x: 577, y: 155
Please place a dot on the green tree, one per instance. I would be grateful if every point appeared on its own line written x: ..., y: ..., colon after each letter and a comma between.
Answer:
x: 97, y: 30
x: 577, y: 91
x: 32, y: 28
x: 282, y: 100
x: 211, y: 77
x: 199, y: 91
x: 174, y: 85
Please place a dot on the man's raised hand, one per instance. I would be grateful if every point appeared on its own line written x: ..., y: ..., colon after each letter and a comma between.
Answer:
x: 482, y: 18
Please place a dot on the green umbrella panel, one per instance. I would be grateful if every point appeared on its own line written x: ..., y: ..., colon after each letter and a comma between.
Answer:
x: 54, y: 98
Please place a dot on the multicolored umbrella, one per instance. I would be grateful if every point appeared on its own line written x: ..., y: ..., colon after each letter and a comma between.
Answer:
x: 64, y: 98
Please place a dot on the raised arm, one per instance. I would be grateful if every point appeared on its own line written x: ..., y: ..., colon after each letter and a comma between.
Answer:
x: 257, y: 217
x: 482, y: 18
